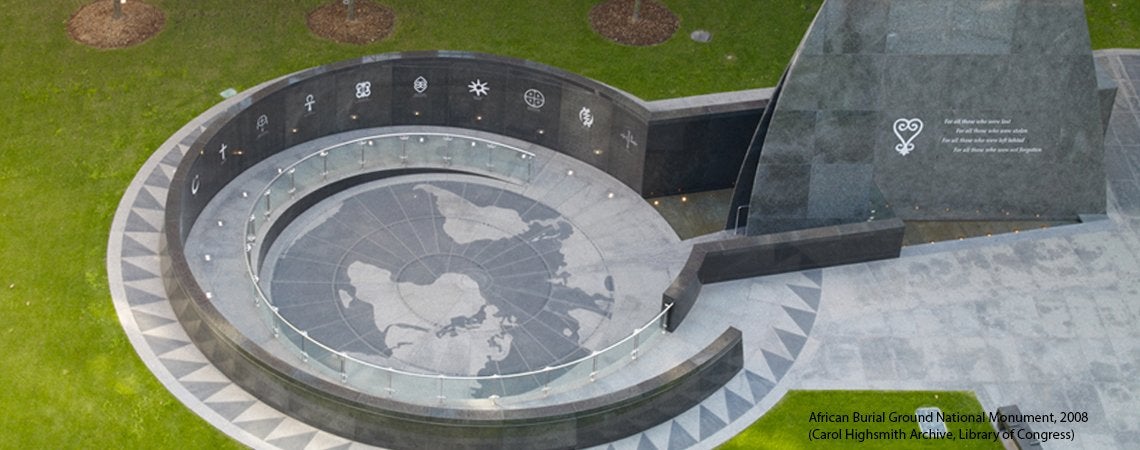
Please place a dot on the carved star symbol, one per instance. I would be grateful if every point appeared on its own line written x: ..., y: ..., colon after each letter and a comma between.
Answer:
x: 479, y: 88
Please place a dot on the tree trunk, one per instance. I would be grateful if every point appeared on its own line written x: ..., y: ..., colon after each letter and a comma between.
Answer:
x: 351, y: 9
x: 636, y: 11
x: 118, y: 9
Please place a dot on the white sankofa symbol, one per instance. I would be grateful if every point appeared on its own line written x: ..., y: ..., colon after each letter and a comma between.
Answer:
x: 420, y: 85
x: 262, y: 122
x: 628, y: 136
x: 223, y: 153
x: 309, y: 101
x: 364, y: 89
x: 586, y: 117
x: 534, y: 98
x: 194, y: 185
x: 479, y: 88
x: 906, y: 130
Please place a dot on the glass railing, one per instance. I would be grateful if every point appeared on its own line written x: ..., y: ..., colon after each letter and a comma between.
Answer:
x: 389, y: 151
x: 394, y: 151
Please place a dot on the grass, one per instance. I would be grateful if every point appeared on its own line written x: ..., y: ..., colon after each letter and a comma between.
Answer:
x: 787, y: 424
x: 79, y: 122
x: 1113, y: 23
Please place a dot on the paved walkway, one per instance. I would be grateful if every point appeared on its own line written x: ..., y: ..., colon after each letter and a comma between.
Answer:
x: 1046, y: 319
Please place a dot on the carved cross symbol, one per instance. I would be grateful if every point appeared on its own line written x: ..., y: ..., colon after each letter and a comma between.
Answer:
x: 628, y: 136
x: 309, y: 101
x: 534, y: 98
x: 223, y: 153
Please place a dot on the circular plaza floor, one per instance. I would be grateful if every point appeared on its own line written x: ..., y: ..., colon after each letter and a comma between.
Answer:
x: 451, y: 274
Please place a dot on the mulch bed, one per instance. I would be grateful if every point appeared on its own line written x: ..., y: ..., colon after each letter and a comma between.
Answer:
x: 96, y: 26
x: 613, y: 20
x: 373, y: 22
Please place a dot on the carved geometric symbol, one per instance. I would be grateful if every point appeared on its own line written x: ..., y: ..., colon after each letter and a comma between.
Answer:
x: 534, y: 98
x: 364, y: 89
x: 586, y: 117
x: 194, y: 185
x: 309, y: 101
x: 906, y: 130
x: 479, y: 88
x: 628, y: 136
x: 262, y: 122
x: 420, y: 85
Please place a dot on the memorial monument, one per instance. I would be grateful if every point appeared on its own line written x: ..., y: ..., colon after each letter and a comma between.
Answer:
x: 954, y: 110
x: 405, y: 249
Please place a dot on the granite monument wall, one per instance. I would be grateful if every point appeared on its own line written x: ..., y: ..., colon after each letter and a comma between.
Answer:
x: 698, y: 143
x: 790, y: 251
x: 954, y: 109
x: 656, y: 148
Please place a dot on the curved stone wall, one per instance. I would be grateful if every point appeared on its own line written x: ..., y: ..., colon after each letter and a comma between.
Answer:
x: 578, y: 117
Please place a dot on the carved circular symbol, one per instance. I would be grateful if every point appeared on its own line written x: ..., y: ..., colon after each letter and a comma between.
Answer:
x: 534, y: 98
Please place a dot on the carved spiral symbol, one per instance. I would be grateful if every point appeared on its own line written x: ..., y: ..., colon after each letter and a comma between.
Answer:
x: 906, y: 144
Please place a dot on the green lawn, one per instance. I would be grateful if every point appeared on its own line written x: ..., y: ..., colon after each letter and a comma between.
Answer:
x: 786, y: 425
x: 1114, y: 23
x: 79, y: 122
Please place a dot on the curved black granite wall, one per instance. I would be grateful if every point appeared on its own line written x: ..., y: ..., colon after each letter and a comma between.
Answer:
x: 576, y: 116
x: 571, y: 114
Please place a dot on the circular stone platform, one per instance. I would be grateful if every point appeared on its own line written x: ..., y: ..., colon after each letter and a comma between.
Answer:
x: 436, y: 267
x: 457, y: 277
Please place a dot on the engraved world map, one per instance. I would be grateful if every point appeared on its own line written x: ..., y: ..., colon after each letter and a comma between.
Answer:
x: 442, y: 277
